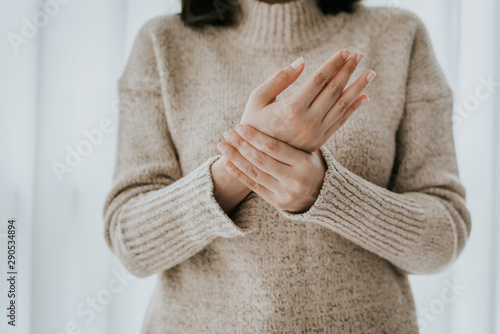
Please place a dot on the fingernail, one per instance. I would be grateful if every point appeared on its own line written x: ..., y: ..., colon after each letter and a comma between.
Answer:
x: 296, y: 64
x: 221, y: 147
x: 366, y: 99
x: 228, y: 135
x: 345, y: 54
x: 359, y: 56
x: 370, y: 76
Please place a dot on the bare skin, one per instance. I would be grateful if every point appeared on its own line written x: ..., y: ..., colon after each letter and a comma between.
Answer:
x: 282, y: 163
x: 228, y: 190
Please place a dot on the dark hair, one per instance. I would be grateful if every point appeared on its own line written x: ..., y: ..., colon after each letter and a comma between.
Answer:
x: 223, y: 12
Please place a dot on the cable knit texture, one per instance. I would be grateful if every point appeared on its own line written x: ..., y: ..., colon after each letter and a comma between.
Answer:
x: 391, y: 202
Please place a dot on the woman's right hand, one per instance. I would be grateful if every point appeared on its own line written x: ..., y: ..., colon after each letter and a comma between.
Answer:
x: 316, y: 110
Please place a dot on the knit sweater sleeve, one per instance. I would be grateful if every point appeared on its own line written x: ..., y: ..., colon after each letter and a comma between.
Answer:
x: 155, y: 217
x: 420, y: 222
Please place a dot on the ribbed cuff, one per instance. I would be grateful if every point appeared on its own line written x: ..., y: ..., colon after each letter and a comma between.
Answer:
x: 164, y: 227
x: 364, y: 212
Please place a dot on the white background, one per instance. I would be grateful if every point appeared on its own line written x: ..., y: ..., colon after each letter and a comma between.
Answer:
x: 63, y: 81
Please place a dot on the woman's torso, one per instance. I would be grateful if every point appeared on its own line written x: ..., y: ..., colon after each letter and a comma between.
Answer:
x: 285, y: 276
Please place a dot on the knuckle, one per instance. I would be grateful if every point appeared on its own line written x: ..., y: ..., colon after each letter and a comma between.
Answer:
x: 281, y: 75
x: 252, y: 172
x: 272, y: 146
x: 320, y: 79
x: 258, y: 158
x: 336, y: 90
x: 251, y: 184
x: 343, y: 105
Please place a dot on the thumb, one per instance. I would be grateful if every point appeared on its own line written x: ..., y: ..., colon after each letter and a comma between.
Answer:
x: 278, y: 82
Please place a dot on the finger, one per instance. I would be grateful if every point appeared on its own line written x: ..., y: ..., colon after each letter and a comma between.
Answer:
x: 247, y: 168
x: 328, y: 96
x: 315, y: 83
x: 274, y: 148
x: 341, y: 121
x: 348, y: 97
x: 261, y: 160
x: 259, y: 189
x: 277, y: 83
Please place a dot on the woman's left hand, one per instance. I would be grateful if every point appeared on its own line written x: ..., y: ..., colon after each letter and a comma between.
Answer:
x: 287, y: 178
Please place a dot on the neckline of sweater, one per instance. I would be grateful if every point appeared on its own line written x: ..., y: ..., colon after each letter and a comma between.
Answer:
x: 264, y: 28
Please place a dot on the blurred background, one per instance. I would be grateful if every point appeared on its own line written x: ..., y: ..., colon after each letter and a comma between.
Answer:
x: 58, y: 83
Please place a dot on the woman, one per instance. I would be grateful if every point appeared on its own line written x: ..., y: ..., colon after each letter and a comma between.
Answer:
x: 298, y: 221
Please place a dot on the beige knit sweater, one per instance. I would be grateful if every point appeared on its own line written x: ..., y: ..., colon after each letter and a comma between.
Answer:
x: 391, y: 204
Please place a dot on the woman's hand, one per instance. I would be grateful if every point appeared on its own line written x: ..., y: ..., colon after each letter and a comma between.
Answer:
x: 287, y: 178
x: 316, y: 110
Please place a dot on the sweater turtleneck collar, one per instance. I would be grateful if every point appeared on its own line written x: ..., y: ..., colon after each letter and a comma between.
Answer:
x: 280, y: 27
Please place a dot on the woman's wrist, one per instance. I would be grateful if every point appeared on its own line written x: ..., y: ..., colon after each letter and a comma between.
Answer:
x: 228, y: 191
